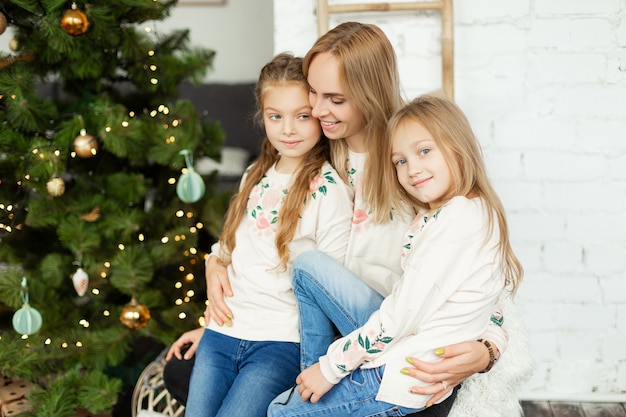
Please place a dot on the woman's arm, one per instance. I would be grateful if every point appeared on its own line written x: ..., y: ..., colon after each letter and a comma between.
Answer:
x: 217, y: 287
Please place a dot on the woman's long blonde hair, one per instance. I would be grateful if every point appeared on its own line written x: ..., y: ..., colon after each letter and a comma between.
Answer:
x: 453, y: 134
x: 283, y: 70
x: 369, y: 75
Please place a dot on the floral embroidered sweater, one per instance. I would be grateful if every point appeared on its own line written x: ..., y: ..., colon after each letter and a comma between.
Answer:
x: 374, y: 249
x: 450, y: 285
x: 263, y: 304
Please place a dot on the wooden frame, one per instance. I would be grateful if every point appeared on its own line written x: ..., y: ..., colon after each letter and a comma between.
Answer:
x: 201, y: 3
x: 447, y: 27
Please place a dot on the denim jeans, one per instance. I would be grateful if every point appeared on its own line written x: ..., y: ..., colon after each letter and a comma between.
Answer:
x: 355, y: 395
x: 328, y: 294
x: 234, y: 377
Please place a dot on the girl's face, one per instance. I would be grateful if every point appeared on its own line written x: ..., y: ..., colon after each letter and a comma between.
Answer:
x: 339, y: 117
x: 420, y: 165
x: 289, y: 125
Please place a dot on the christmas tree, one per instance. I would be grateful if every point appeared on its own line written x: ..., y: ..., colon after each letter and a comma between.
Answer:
x: 104, y: 223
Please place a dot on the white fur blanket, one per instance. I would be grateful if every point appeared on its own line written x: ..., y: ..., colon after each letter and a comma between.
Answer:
x: 495, y: 393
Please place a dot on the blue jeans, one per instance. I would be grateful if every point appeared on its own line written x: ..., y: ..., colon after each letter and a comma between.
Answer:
x: 328, y: 294
x: 355, y: 395
x: 234, y: 377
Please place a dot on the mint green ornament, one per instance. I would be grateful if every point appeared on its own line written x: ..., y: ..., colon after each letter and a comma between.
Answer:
x: 190, y: 187
x: 26, y: 320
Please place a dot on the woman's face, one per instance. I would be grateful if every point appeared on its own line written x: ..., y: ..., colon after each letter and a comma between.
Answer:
x: 339, y: 116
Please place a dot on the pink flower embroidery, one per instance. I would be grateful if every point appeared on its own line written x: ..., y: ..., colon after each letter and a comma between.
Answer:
x: 262, y: 223
x: 359, y: 216
x: 317, y: 183
x: 270, y: 199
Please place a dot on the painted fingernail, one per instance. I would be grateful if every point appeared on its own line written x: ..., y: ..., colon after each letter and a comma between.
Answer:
x: 229, y: 324
x: 440, y: 351
x: 230, y: 316
x: 409, y: 360
x: 428, y: 405
x: 404, y: 371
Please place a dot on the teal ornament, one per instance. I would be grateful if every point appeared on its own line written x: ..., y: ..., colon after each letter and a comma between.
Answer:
x: 190, y: 187
x: 26, y: 320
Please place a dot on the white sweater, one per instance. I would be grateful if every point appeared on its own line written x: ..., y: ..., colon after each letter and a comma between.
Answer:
x: 450, y: 285
x: 263, y: 305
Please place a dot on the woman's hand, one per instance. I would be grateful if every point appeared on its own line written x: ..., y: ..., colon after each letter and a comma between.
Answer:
x: 460, y: 362
x: 312, y: 385
x: 192, y: 337
x: 217, y: 287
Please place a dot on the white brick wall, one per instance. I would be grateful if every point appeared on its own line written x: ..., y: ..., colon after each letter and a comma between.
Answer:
x: 544, y: 85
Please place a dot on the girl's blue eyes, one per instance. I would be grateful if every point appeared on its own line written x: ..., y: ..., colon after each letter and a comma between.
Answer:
x: 400, y: 162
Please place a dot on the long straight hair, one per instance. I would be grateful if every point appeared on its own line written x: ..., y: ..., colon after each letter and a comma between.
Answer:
x: 453, y: 134
x: 284, y: 70
x: 369, y: 75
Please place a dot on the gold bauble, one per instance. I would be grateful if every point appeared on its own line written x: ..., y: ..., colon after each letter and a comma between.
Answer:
x: 135, y: 315
x: 14, y: 44
x: 74, y: 21
x: 55, y: 186
x: 3, y: 23
x: 85, y: 145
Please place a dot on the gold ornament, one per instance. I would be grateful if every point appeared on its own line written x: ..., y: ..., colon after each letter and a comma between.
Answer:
x: 74, y: 21
x: 55, y: 186
x: 14, y: 44
x: 135, y: 315
x: 85, y: 145
x: 3, y: 23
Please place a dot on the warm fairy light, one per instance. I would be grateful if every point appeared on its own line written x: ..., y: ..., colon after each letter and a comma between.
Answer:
x: 166, y: 110
x: 147, y: 29
x: 202, y: 322
x: 84, y: 323
x: 150, y: 53
x: 124, y: 123
x: 42, y: 156
x: 187, y: 299
x: 154, y: 81
x: 180, y: 213
x: 178, y: 302
x: 193, y: 251
x: 107, y: 129
x: 161, y: 107
x: 107, y: 264
x: 141, y: 237
x: 24, y: 336
x: 181, y: 268
x: 64, y: 345
x: 189, y: 214
x: 183, y: 237
x: 182, y: 315
x: 189, y: 277
x: 191, y: 293
x: 170, y: 140
x: 131, y: 114
x: 177, y: 238
x: 103, y: 274
x: 95, y: 291
x: 57, y: 152
x: 165, y: 239
x: 175, y: 123
x: 153, y: 113
x: 106, y: 313
x: 193, y: 229
x: 47, y: 341
x: 120, y: 246
x: 35, y: 151
x: 178, y: 284
x: 79, y: 344
x: 171, y: 181
x: 153, y: 67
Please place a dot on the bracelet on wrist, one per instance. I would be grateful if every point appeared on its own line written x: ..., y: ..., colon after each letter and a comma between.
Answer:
x: 492, y: 355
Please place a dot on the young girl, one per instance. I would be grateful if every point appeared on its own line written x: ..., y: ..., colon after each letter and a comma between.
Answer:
x: 456, y: 260
x: 291, y: 200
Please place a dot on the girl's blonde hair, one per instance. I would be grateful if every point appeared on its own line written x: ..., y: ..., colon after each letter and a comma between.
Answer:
x: 369, y: 74
x: 453, y: 134
x: 283, y: 70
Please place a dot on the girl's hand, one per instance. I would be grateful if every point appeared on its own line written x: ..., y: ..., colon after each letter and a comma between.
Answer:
x: 460, y: 362
x: 312, y: 385
x: 217, y: 287
x: 192, y: 337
